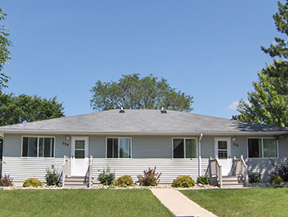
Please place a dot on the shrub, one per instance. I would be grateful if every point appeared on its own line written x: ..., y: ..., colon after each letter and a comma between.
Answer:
x: 204, y: 180
x: 150, y: 177
x: 125, y: 181
x: 254, y: 177
x: 276, y: 180
x: 281, y: 170
x: 6, y: 181
x: 33, y: 182
x: 183, y: 182
x: 52, y: 177
x: 106, y: 177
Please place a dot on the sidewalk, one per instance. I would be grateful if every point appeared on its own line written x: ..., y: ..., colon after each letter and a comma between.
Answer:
x: 179, y: 204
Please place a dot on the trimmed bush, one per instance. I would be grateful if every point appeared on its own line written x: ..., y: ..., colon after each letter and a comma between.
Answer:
x: 32, y: 182
x: 6, y: 181
x: 254, y: 177
x: 150, y: 177
x: 52, y: 177
x: 183, y: 182
x: 124, y: 181
x: 204, y: 180
x: 276, y: 180
x: 106, y: 177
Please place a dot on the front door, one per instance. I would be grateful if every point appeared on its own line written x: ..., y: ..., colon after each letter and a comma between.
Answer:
x: 223, y: 151
x: 79, y: 155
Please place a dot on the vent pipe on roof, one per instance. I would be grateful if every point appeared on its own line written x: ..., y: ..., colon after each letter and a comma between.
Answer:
x: 163, y: 110
x: 121, y: 110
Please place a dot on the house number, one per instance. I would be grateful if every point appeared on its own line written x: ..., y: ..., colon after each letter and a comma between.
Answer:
x: 236, y: 145
x: 65, y: 143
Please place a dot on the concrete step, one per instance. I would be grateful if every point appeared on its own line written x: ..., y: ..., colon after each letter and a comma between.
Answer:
x: 229, y: 178
x: 76, y: 182
x: 231, y: 182
x: 232, y: 186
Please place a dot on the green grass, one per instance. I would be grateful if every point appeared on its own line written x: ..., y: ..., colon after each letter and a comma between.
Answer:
x: 242, y: 202
x: 81, y: 202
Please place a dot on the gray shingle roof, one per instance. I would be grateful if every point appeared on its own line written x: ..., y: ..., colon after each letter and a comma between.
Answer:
x: 141, y: 121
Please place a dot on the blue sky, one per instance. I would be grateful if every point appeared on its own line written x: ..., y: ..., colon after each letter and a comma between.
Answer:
x: 207, y: 49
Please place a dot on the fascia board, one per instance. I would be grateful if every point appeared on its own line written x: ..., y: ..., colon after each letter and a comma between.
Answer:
x: 160, y: 133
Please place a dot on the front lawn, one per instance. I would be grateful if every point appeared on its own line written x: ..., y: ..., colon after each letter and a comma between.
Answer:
x: 81, y: 202
x: 242, y: 202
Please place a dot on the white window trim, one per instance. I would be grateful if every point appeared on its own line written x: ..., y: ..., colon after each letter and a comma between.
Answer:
x: 113, y: 137
x: 38, y: 145
x: 184, y: 138
x: 262, y: 138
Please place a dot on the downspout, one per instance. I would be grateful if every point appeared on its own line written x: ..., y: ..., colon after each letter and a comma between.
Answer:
x: 199, y: 155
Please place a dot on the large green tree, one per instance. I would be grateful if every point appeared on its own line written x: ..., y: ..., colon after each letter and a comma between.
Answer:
x: 4, y: 52
x: 24, y: 108
x: 268, y: 103
x: 133, y: 92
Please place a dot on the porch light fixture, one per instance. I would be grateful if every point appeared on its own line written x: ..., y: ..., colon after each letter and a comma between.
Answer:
x: 234, y: 139
x: 163, y: 110
x: 67, y: 138
x: 122, y: 110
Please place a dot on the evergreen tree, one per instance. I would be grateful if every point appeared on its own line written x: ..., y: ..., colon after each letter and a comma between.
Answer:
x: 268, y: 103
x: 4, y: 52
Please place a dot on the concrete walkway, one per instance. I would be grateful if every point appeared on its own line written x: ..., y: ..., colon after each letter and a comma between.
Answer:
x: 179, y: 204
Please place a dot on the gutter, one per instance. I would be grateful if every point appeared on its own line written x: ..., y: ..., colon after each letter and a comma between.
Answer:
x: 199, y: 155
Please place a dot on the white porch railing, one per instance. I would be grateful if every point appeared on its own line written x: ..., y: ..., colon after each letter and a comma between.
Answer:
x: 65, y: 170
x: 90, y: 171
x: 239, y: 169
x: 215, y: 170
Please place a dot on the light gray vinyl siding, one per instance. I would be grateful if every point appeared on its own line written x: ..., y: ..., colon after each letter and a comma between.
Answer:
x: 170, y: 168
x: 97, y: 146
x: 207, y: 147
x: 147, y: 151
x: 12, y: 146
x: 239, y: 147
x: 263, y: 166
x: 21, y: 169
x: 204, y: 166
x: 152, y: 147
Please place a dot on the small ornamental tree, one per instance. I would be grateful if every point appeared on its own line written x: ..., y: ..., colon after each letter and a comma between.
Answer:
x: 150, y: 177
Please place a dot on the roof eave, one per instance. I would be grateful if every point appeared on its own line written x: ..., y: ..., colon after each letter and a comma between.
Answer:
x: 130, y: 133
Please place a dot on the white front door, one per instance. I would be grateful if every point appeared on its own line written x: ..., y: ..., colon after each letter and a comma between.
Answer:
x: 222, y: 147
x: 79, y: 155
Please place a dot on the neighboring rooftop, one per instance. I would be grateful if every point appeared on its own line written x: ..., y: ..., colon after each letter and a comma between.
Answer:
x: 142, y: 122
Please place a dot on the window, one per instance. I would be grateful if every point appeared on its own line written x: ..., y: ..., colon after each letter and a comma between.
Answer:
x: 38, y: 147
x: 118, y: 147
x: 184, y: 148
x: 262, y: 148
x: 222, y: 149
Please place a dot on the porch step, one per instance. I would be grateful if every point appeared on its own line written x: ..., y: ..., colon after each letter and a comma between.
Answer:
x: 231, y: 182
x: 76, y: 182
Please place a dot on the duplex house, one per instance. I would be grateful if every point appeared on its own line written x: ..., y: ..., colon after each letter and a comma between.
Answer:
x: 130, y: 141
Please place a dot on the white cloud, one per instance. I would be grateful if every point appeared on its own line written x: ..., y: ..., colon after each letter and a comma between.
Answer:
x: 233, y: 106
